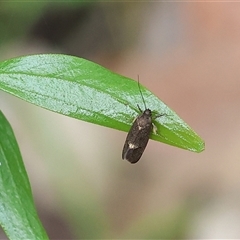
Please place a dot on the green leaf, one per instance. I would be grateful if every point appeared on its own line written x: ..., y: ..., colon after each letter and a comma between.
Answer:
x: 85, y: 90
x: 18, y: 216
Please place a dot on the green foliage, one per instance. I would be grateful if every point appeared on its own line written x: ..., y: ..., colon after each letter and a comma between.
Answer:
x: 87, y: 91
x: 16, y: 22
x: 80, y: 89
x: 18, y: 216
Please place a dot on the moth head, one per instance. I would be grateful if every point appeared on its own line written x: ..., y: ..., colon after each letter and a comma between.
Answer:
x: 148, y: 112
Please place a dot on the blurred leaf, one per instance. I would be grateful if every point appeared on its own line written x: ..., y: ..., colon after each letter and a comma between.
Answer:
x: 85, y: 90
x: 173, y: 224
x: 15, y: 21
x: 18, y: 216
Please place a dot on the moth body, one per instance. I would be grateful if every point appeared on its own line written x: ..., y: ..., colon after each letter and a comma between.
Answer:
x: 138, y: 137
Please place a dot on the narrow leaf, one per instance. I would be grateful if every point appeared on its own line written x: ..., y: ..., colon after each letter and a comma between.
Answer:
x: 85, y: 90
x: 18, y: 216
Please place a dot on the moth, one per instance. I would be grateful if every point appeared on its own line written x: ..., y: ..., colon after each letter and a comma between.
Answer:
x: 138, y: 135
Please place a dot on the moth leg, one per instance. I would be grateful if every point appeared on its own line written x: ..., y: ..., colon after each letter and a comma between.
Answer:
x: 134, y: 119
x: 139, y: 108
x: 160, y: 115
x: 154, y: 128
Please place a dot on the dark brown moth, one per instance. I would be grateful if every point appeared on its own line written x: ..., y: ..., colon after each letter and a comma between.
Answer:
x: 138, y: 135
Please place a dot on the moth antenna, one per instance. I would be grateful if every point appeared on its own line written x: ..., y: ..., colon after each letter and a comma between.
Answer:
x: 141, y: 93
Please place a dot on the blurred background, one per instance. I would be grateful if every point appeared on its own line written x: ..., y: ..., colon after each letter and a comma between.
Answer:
x: 188, y: 54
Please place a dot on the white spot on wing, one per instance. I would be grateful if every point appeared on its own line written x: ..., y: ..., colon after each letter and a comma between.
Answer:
x: 132, y: 146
